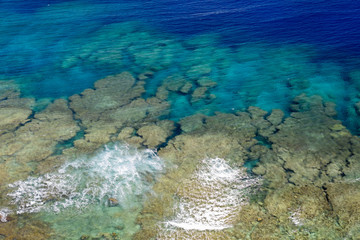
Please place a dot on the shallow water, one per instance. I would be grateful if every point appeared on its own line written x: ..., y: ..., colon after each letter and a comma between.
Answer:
x: 69, y: 45
x: 185, y: 63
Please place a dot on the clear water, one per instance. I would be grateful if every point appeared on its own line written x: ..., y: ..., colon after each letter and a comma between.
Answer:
x: 235, y: 53
x: 57, y: 49
x: 91, y: 194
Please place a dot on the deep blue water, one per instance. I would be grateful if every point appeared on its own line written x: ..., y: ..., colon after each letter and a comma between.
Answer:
x: 317, y: 40
x: 333, y: 23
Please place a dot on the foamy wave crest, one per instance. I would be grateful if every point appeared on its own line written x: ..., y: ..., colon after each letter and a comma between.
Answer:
x: 119, y: 172
x: 211, y: 199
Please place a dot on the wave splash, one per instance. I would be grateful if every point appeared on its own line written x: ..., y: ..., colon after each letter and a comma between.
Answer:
x: 211, y: 199
x: 118, y: 172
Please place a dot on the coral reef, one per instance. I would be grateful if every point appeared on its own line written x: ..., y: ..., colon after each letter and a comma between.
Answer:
x: 308, y: 160
x: 114, y: 104
x: 163, y: 93
x: 36, y: 140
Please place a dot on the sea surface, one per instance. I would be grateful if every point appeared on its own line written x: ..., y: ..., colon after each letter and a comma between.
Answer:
x: 234, y: 53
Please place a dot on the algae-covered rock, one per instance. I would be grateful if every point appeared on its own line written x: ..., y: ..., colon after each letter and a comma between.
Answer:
x: 201, y: 146
x: 126, y: 133
x: 14, y: 111
x: 115, y: 103
x: 157, y: 109
x: 31, y: 230
x: 37, y: 139
x: 239, y: 127
x: 192, y: 123
x: 186, y: 88
x: 276, y: 117
x: 223, y: 136
x: 298, y: 160
x: 10, y: 118
x: 132, y: 113
x: 206, y: 82
x: 109, y: 93
x: 312, y: 145
x: 198, y: 94
x: 344, y: 199
x: 174, y: 82
x: 153, y: 135
x: 162, y: 93
x: 256, y: 112
x: 309, y: 201
x: 145, y: 75
x: 197, y: 71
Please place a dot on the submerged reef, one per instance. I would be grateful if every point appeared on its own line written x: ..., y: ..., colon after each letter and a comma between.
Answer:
x: 307, y: 162
x: 114, y: 104
x: 303, y: 183
x: 196, y: 75
x: 203, y: 138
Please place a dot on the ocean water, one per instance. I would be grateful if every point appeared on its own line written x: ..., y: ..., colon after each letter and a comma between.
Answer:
x: 202, y: 57
x: 55, y: 49
x: 108, y: 185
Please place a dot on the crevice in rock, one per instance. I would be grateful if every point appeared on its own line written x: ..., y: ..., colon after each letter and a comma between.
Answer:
x: 30, y: 118
x: 336, y: 217
x: 62, y: 145
x: 263, y: 141
x: 288, y: 173
x: 324, y: 189
x: 177, y: 131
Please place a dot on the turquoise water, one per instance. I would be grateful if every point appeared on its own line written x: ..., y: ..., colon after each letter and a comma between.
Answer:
x: 75, y: 198
x: 56, y: 50
x: 91, y: 152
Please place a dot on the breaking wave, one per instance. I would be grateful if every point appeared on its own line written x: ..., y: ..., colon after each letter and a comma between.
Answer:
x: 211, y: 199
x: 118, y: 172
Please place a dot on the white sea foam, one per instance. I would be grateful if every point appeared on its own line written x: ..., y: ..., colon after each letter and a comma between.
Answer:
x: 118, y: 171
x: 4, y: 212
x: 295, y: 217
x: 214, y: 195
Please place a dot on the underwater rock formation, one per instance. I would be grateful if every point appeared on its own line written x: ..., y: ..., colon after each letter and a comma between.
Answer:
x: 14, y: 110
x: 115, y: 103
x: 35, y: 140
x: 309, y: 163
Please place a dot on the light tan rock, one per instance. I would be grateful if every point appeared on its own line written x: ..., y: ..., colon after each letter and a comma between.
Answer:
x: 153, y: 135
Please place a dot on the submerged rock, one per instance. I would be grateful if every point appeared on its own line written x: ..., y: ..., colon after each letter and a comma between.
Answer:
x: 276, y: 117
x: 36, y: 140
x: 343, y: 198
x: 186, y: 88
x: 112, y: 202
x: 14, y: 111
x: 109, y: 93
x: 115, y: 103
x: 192, y: 123
x: 174, y: 82
x: 357, y: 107
x: 304, y: 160
x: 153, y: 135
x: 198, y: 94
x: 206, y: 82
x: 311, y: 149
